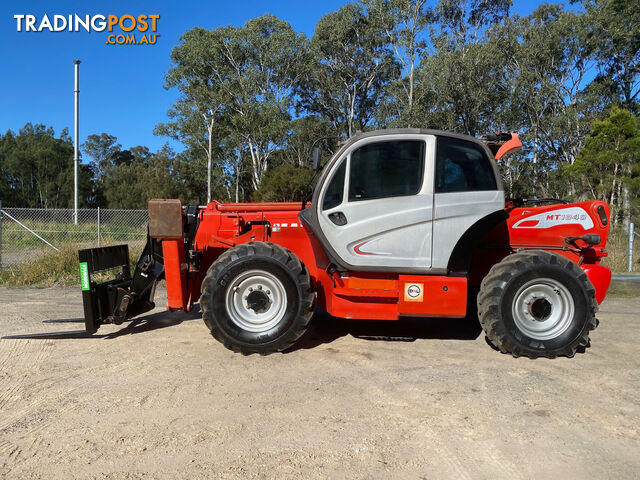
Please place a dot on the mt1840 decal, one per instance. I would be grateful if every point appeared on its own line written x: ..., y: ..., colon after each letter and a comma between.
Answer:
x: 561, y: 216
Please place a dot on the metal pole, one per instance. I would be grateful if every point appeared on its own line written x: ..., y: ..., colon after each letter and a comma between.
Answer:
x: 98, y: 226
x: 76, y: 92
x: 630, y: 264
x: 30, y: 231
x: 0, y: 233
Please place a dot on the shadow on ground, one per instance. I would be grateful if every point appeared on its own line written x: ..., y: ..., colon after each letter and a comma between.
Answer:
x: 156, y: 321
x: 142, y: 324
x: 325, y: 329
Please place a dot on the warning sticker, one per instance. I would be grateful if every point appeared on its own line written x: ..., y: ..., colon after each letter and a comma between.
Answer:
x: 84, y: 276
x: 413, y: 292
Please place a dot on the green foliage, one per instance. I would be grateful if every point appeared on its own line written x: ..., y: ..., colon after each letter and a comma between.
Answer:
x: 36, y: 169
x: 50, y: 268
x: 464, y: 75
x: 608, y: 167
x: 304, y: 131
x: 253, y: 98
x: 352, y: 64
x: 547, y: 96
x: 285, y: 183
x: 101, y: 149
x: 615, y: 43
x: 404, y: 23
x: 237, y: 84
x: 133, y: 183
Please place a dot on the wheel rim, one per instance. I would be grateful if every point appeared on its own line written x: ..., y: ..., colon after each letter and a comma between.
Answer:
x: 543, y: 309
x: 256, y: 301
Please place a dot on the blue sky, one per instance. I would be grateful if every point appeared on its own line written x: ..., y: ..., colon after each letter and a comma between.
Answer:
x: 121, y: 86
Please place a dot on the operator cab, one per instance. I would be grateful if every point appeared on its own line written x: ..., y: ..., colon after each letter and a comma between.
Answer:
x: 400, y: 200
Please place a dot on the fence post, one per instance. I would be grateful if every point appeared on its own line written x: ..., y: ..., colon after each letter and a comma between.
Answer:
x: 631, y: 232
x: 0, y: 233
x: 98, y: 227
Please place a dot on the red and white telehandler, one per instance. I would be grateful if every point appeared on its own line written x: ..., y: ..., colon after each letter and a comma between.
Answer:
x: 402, y: 223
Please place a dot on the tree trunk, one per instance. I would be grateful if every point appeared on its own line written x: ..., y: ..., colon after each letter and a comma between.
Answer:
x: 209, y: 155
x: 255, y: 164
x: 411, y: 81
x: 626, y: 207
x: 238, y: 176
x: 614, y: 199
x: 535, y: 158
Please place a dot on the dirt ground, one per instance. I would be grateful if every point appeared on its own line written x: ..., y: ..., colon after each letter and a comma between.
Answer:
x: 425, y: 399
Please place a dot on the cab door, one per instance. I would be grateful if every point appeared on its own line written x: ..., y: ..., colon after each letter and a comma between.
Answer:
x: 467, y: 189
x: 376, y: 209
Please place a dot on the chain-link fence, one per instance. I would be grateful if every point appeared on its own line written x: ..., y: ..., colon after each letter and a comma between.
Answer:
x: 29, y: 232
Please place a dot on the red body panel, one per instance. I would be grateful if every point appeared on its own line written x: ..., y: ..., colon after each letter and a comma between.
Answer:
x: 510, y: 146
x: 437, y: 296
x: 600, y: 278
x: 546, y: 228
x: 549, y: 225
x: 383, y: 295
x: 174, y: 264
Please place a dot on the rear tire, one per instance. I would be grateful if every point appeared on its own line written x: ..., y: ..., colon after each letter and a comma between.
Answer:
x: 257, y: 298
x: 537, y: 304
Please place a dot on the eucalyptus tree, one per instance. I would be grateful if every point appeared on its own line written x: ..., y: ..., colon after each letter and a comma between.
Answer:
x: 36, y: 169
x: 352, y: 66
x: 200, y: 131
x: 608, y: 167
x: 303, y: 133
x: 101, y: 149
x: 404, y: 23
x: 548, y: 60
x: 614, y: 26
x: 464, y: 79
x: 145, y: 175
x: 239, y: 82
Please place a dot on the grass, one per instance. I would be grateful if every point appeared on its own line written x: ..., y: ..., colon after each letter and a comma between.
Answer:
x: 46, y: 270
x: 624, y: 288
x: 15, y: 238
x: 52, y: 268
x: 617, y: 246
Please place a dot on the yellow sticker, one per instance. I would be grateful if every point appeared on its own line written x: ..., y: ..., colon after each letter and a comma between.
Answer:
x: 413, y: 292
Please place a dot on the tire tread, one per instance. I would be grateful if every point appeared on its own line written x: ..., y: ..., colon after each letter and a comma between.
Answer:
x: 288, y: 261
x: 490, y: 297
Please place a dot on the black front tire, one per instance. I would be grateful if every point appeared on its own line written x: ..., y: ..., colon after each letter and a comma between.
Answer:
x: 273, y: 264
x: 515, y: 323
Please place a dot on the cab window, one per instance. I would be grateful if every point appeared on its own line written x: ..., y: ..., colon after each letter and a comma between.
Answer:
x: 386, y: 169
x: 335, y: 191
x: 462, y: 166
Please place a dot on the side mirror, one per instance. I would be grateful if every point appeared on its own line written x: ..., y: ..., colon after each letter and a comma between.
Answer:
x: 316, y: 158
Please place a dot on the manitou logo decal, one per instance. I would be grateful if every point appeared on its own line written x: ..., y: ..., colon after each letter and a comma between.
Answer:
x: 553, y: 218
x: 413, y: 292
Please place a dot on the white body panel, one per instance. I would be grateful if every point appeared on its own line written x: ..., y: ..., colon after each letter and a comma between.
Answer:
x: 388, y: 232
x: 454, y: 213
x: 562, y: 216
x: 415, y: 233
x: 386, y: 237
